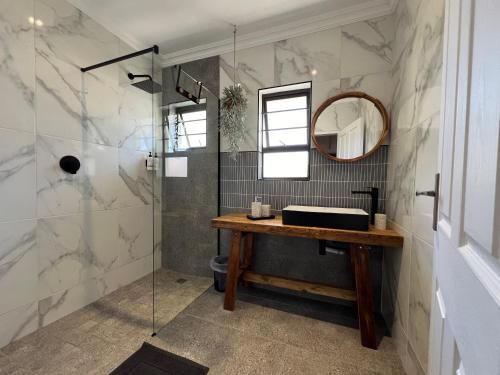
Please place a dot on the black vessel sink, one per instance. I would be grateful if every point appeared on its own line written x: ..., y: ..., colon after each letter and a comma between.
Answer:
x: 326, y: 217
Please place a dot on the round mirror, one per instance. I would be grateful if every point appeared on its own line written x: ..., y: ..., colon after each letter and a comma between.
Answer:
x: 349, y: 126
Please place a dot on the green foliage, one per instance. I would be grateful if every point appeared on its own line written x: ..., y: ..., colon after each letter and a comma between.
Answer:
x: 232, y: 122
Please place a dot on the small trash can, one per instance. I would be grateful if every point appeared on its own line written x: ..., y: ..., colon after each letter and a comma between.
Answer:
x: 219, y: 265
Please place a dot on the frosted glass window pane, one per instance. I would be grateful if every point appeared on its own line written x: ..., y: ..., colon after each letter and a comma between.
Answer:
x: 289, y: 137
x: 285, y: 164
x: 191, y: 141
x: 289, y: 119
x: 176, y: 167
x: 192, y: 116
x: 193, y: 127
x: 191, y: 130
x: 286, y: 104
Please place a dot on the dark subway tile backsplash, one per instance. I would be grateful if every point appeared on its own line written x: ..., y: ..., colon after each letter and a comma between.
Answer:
x: 330, y: 183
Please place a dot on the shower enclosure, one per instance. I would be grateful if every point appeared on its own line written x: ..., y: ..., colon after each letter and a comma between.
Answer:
x: 87, y: 246
x: 124, y: 94
x: 165, y: 116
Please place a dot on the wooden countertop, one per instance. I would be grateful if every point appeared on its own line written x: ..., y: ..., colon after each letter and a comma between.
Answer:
x: 375, y: 237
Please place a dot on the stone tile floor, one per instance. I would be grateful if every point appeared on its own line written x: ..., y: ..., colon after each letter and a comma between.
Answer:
x: 251, y: 340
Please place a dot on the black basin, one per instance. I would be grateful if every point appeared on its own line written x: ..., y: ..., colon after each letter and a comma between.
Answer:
x: 326, y: 217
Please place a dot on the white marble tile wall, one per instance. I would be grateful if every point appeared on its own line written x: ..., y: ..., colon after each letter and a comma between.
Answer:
x: 67, y: 240
x: 352, y: 57
x: 413, y: 155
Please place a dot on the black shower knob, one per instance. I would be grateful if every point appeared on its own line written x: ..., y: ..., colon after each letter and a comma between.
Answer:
x: 69, y: 164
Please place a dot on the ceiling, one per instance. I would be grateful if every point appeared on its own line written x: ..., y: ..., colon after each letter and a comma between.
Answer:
x: 189, y: 29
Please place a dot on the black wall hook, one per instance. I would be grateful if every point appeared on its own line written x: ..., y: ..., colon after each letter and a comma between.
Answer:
x: 69, y: 164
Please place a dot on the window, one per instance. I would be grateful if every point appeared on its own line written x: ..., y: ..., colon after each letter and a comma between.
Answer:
x: 284, y: 131
x: 186, y: 127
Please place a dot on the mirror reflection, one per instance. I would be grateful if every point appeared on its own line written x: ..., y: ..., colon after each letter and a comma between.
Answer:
x: 349, y: 127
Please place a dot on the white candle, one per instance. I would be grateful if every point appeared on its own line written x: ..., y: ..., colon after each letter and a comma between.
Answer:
x: 266, y: 210
x: 380, y: 221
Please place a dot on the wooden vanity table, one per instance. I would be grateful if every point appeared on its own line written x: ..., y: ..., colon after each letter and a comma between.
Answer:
x: 360, y: 242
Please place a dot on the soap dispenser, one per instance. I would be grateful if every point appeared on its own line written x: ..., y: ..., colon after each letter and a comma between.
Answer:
x: 156, y: 162
x: 149, y: 162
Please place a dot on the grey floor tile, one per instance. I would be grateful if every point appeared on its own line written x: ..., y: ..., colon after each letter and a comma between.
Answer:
x: 223, y: 349
x: 253, y: 339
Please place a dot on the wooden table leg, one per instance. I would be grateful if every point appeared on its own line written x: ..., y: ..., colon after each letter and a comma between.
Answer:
x: 362, y: 274
x: 232, y: 271
x: 247, y: 254
x: 247, y: 250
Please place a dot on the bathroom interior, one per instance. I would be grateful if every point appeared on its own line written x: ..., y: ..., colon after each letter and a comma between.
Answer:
x: 205, y: 187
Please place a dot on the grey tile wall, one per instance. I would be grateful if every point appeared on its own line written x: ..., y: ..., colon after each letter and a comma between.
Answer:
x: 188, y: 241
x: 330, y: 183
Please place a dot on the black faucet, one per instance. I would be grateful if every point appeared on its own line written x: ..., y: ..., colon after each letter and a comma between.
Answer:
x: 374, y: 194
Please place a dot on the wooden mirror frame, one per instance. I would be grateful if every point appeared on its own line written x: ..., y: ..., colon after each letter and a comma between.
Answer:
x: 351, y: 94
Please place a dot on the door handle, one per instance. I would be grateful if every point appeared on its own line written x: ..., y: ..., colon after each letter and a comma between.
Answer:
x: 435, y: 194
x: 428, y: 193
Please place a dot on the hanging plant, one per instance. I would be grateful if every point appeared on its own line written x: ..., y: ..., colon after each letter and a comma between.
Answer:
x: 233, y: 110
x: 232, y: 122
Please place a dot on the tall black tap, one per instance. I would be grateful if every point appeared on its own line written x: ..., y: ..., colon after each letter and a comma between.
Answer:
x: 374, y: 195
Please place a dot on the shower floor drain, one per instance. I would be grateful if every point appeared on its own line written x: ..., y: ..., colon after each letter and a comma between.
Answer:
x: 180, y: 281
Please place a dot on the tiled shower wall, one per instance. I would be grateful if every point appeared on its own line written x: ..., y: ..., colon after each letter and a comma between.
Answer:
x: 66, y: 240
x: 189, y: 203
x: 330, y: 183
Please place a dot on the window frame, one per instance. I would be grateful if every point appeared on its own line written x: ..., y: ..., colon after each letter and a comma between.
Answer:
x: 179, y: 111
x: 262, y: 111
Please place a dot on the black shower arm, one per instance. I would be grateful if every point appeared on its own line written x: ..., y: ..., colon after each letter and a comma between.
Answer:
x: 133, y: 76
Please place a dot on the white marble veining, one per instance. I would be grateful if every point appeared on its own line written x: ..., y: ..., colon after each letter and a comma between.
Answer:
x: 255, y: 70
x: 135, y: 233
x: 379, y: 85
x: 134, y: 119
x: 313, y: 57
x: 397, y: 280
x: 66, y: 240
x: 71, y: 104
x: 93, y: 187
x: 18, y: 264
x: 109, y: 178
x: 367, y: 47
x: 16, y: 65
x: 420, y: 299
x: 65, y: 302
x: 417, y: 56
x: 18, y: 323
x: 417, y: 69
x: 321, y: 91
x: 353, y: 57
x: 76, y: 248
x: 17, y: 175
x: 427, y: 141
x: 401, y: 179
x: 135, y: 182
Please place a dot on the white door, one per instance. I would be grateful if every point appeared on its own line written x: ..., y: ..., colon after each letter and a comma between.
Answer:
x: 465, y: 319
x: 351, y: 140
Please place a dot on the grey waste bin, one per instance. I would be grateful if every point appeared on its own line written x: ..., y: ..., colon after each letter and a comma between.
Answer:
x: 219, y: 265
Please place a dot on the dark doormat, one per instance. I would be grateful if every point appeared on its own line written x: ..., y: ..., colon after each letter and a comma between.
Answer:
x: 150, y: 360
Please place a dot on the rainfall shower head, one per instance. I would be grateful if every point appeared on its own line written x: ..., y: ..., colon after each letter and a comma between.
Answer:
x: 148, y: 85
